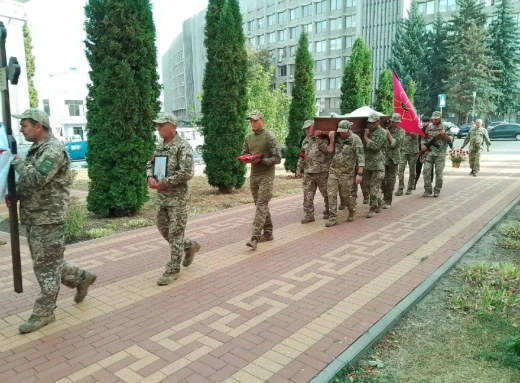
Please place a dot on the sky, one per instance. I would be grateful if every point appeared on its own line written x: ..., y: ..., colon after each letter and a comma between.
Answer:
x: 57, y: 31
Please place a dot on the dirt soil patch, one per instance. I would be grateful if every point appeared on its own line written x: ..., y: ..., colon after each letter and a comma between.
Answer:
x: 460, y: 331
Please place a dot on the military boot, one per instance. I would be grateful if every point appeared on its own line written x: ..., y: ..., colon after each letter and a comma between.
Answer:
x: 399, y: 192
x: 190, y: 253
x: 426, y: 194
x: 350, y: 217
x: 341, y: 207
x: 167, y: 278
x: 308, y: 219
x: 331, y: 223
x: 36, y: 322
x: 266, y: 237
x: 365, y: 201
x: 386, y: 204
x: 326, y: 215
x: 82, y: 288
x: 253, y: 243
x: 371, y: 213
x: 409, y: 192
x: 382, y: 205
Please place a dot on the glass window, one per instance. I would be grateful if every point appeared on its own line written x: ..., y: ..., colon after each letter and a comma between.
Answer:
x: 335, y: 4
x: 310, y: 47
x: 261, y: 40
x: 281, y: 35
x: 350, y: 3
x: 321, y: 26
x: 293, y: 50
x: 321, y: 7
x: 427, y: 8
x: 306, y: 10
x: 350, y: 22
x: 271, y: 37
x: 320, y: 65
x: 270, y: 20
x: 46, y: 107
x: 75, y: 107
x: 281, y: 17
x: 250, y: 25
x: 307, y: 28
x: 292, y: 14
x: 447, y: 5
x: 321, y: 46
x: 349, y: 42
x: 252, y: 41
x: 321, y: 84
x: 293, y: 32
x: 282, y: 70
x: 281, y: 52
x: 335, y: 63
x: 260, y: 23
x: 335, y: 24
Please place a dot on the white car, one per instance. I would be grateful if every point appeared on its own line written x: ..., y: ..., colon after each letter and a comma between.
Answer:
x: 454, y: 129
x: 194, y: 138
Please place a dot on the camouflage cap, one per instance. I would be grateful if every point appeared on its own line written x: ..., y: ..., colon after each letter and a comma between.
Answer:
x: 373, y: 117
x: 396, y: 117
x: 163, y: 118
x: 35, y: 114
x: 436, y: 115
x: 255, y: 115
x: 307, y: 124
x: 344, y: 126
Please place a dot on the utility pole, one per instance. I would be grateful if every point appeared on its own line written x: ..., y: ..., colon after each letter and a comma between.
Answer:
x: 473, y: 112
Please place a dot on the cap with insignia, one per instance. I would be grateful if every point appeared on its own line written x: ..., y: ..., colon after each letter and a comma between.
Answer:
x: 436, y: 115
x: 344, y: 126
x: 307, y: 124
x: 35, y: 114
x: 255, y: 115
x: 396, y: 117
x: 373, y: 117
x: 163, y: 118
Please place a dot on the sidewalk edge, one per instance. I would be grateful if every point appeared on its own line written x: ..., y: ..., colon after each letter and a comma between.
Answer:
x: 363, y: 344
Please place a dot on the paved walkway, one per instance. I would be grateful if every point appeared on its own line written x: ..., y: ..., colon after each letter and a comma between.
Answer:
x: 277, y: 314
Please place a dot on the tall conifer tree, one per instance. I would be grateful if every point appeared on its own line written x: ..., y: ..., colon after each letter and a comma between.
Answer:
x: 356, y: 86
x: 385, y: 93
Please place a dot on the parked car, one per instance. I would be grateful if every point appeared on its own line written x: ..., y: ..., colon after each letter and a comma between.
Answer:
x: 464, y: 130
x: 454, y: 129
x: 505, y: 131
x: 194, y: 138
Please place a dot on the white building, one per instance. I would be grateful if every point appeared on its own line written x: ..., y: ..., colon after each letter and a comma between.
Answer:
x: 63, y: 97
x: 12, y: 14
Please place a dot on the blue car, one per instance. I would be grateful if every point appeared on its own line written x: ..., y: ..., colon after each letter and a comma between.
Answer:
x: 77, y: 149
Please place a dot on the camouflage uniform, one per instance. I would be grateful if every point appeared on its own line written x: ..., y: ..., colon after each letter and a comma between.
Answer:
x: 43, y: 189
x: 314, y: 161
x: 393, y: 158
x: 262, y: 176
x: 436, y: 156
x: 348, y: 155
x: 171, y: 204
x: 374, y: 171
x: 409, y: 152
x: 476, y: 139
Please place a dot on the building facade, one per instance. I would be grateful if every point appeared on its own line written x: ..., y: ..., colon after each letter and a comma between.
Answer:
x: 332, y: 25
x: 12, y: 14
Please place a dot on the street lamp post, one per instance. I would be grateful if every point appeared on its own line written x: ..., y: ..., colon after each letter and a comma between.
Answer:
x: 473, y: 112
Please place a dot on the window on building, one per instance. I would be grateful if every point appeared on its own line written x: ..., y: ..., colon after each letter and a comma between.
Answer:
x: 78, y: 130
x: 350, y: 3
x: 321, y: 7
x: 252, y: 41
x: 293, y: 32
x: 75, y: 107
x: 335, y: 63
x: 321, y: 26
x: 492, y: 2
x: 321, y: 46
x: 349, y: 41
x: 261, y: 40
x: 320, y: 65
x: 250, y: 25
x: 335, y: 102
x: 447, y: 5
x: 427, y: 8
x: 334, y: 83
x: 350, y: 21
x: 335, y: 4
x: 291, y: 69
x: 270, y: 20
x: 335, y: 44
x: 310, y: 47
x: 306, y: 10
x: 307, y: 28
x: 281, y: 35
x: 271, y: 37
x: 321, y: 84
x: 282, y: 52
x: 46, y: 107
x: 292, y: 14
x: 335, y: 24
x: 282, y: 17
x: 292, y: 50
x: 260, y: 23
x: 282, y: 70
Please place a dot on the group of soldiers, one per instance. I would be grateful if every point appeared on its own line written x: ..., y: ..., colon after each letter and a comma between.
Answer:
x: 335, y: 163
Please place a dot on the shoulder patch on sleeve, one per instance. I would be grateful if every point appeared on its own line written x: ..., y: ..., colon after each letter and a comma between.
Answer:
x: 45, y: 166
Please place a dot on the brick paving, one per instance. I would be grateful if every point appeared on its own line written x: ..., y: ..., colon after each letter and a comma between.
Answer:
x: 277, y: 314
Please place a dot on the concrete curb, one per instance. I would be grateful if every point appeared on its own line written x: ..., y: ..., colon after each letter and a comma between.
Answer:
x: 361, y: 346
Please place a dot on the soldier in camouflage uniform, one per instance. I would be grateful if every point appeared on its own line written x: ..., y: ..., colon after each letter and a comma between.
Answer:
x: 264, y: 142
x: 409, y: 152
x: 314, y: 161
x: 172, y: 195
x: 43, y: 189
x: 476, y: 138
x: 348, y: 151
x: 374, y: 141
x: 395, y: 136
x: 436, y: 155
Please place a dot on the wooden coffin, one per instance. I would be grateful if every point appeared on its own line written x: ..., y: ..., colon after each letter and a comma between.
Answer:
x: 328, y: 124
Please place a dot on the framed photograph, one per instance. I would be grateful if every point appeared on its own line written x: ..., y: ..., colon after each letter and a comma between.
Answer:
x: 160, y: 168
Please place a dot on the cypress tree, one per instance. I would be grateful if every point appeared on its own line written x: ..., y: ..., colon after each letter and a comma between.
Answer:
x: 225, y: 98
x: 408, y: 58
x: 437, y: 69
x: 30, y: 66
x: 122, y: 101
x: 385, y: 93
x: 356, y: 86
x: 505, y: 50
x: 302, y: 104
